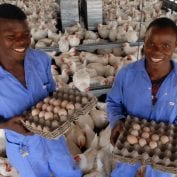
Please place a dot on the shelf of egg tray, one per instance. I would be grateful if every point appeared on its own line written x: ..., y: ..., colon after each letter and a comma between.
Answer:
x: 148, y: 142
x: 54, y: 116
x: 94, y: 46
x: 170, y: 4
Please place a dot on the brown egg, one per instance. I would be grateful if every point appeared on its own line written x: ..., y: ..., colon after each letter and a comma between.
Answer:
x: 164, y: 139
x: 65, y: 96
x: 46, y: 100
x: 155, y: 137
x: 153, y: 144
x: 55, y: 124
x: 48, y: 115
x: 51, y: 101
x: 39, y: 105
x: 71, y: 97
x: 134, y: 132
x: 132, y: 139
x: 84, y: 100
x: 56, y: 102
x: 49, y: 108
x: 63, y: 118
x: 44, y: 106
x: 35, y: 112
x: 62, y: 112
x: 136, y: 126
x: 142, y: 142
x: 41, y: 114
x: 78, y: 99
x: 56, y: 109
x: 145, y: 135
x: 146, y: 129
x: 70, y: 106
x: 64, y: 103
x: 48, y: 123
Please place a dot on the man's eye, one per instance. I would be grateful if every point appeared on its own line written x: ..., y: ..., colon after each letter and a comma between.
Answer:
x: 150, y: 45
x: 11, y: 37
x: 166, y: 46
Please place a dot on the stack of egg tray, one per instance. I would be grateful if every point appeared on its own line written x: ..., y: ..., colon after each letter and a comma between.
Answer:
x: 65, y: 126
x: 163, y: 157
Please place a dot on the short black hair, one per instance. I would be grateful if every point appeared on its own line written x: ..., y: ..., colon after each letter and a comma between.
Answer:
x: 9, y: 11
x: 163, y: 22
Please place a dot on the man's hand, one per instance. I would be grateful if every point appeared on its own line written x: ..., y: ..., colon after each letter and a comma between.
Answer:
x: 16, y: 125
x: 116, y: 131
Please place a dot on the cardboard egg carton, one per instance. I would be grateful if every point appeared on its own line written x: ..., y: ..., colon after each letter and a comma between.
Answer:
x: 53, y: 116
x: 162, y: 157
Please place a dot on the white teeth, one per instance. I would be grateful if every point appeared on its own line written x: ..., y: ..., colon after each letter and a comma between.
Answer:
x: 156, y: 59
x: 20, y: 50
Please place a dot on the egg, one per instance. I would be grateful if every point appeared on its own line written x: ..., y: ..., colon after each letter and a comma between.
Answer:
x: 44, y: 106
x: 62, y: 112
x: 134, y: 132
x: 132, y: 139
x: 56, y: 102
x: 146, y: 129
x: 65, y: 96
x: 48, y: 123
x: 136, y: 127
x: 145, y: 135
x: 63, y: 118
x: 52, y: 100
x: 64, y: 103
x: 70, y: 106
x: 55, y: 124
x: 35, y: 112
x: 155, y: 137
x: 46, y: 100
x: 78, y: 99
x: 164, y: 139
x: 41, y: 114
x: 142, y: 142
x: 39, y: 105
x: 48, y: 115
x: 49, y: 108
x: 71, y: 97
x: 84, y: 100
x: 42, y: 121
x: 153, y: 144
x: 56, y: 109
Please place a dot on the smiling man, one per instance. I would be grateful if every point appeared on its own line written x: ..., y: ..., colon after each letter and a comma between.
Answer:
x: 146, y: 89
x: 25, y: 79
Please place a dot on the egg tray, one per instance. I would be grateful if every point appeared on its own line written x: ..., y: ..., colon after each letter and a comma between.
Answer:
x: 65, y: 126
x: 163, y: 157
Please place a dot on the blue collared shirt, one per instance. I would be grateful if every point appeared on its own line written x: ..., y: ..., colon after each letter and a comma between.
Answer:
x: 16, y: 98
x: 131, y: 94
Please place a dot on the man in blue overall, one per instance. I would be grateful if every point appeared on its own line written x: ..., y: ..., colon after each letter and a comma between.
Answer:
x: 25, y: 79
x: 146, y: 88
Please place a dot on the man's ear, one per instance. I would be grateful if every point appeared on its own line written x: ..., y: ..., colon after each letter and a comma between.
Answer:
x: 176, y: 44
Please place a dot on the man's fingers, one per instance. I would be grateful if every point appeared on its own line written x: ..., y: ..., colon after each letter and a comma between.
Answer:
x: 114, y: 136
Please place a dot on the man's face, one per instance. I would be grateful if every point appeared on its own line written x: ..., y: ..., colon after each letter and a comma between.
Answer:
x: 159, y: 45
x: 14, y: 39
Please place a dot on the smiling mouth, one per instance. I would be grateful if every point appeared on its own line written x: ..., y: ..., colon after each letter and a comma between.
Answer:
x: 156, y: 59
x: 20, y: 50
